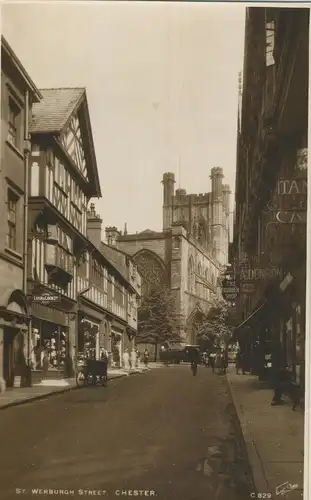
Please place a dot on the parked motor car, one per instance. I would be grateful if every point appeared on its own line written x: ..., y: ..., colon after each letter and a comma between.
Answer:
x: 173, y: 353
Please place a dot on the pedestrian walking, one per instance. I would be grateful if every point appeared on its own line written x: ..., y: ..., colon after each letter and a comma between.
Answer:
x: 278, y: 374
x: 205, y: 358
x: 218, y: 362
x: 104, y: 357
x: 223, y: 365
x: 243, y: 362
x: 126, y: 359
x: 238, y: 362
x: 133, y: 358
x: 146, y: 357
x: 226, y: 360
x: 45, y: 364
x: 212, y: 359
x: 137, y: 358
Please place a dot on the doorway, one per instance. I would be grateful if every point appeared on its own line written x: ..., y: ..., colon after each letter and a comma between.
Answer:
x: 13, y: 344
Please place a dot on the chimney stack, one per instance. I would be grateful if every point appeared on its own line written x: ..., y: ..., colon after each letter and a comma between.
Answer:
x: 112, y: 234
x: 94, y: 226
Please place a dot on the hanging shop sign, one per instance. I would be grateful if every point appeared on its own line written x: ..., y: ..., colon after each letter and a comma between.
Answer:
x: 45, y: 298
x: 229, y: 290
x: 247, y: 287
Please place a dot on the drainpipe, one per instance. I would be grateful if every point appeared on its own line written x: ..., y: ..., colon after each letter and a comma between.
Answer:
x: 27, y: 149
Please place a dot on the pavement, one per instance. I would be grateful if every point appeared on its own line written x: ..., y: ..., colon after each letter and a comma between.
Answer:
x: 165, y: 434
x: 273, y: 435
x: 47, y: 388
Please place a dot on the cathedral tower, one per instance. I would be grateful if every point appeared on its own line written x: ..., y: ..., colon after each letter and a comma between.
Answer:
x: 217, y: 212
x: 168, y: 194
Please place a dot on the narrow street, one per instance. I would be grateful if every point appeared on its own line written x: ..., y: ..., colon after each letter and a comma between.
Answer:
x: 165, y: 433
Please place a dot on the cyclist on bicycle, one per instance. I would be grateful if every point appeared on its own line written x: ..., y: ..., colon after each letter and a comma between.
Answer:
x: 194, y: 357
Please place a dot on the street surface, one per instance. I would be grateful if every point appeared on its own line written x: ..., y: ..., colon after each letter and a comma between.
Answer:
x: 163, y: 434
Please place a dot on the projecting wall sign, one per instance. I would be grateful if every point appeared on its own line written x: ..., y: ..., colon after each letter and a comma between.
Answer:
x: 45, y: 298
x: 289, y: 205
x: 229, y: 290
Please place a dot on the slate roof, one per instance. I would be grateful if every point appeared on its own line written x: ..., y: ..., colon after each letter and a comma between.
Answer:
x: 52, y: 113
x: 116, y: 258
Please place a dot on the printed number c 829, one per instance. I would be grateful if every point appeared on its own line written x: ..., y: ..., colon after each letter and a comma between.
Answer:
x: 261, y: 496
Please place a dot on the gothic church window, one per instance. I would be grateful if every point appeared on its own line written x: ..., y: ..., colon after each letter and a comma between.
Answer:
x: 151, y: 271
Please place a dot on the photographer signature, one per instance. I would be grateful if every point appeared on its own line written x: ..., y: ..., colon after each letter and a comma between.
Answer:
x: 284, y: 488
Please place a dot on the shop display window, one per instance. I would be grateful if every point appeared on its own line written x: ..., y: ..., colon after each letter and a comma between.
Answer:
x: 50, y: 343
x: 88, y: 339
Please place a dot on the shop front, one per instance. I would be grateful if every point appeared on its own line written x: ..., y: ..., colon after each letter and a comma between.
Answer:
x: 50, y: 345
x: 50, y: 342
x: 93, y: 331
x: 88, y: 338
x: 293, y: 329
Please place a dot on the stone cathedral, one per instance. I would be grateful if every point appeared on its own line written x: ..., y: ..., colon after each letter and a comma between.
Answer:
x: 189, y: 253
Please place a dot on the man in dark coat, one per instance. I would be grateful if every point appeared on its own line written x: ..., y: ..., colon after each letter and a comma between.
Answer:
x: 278, y: 374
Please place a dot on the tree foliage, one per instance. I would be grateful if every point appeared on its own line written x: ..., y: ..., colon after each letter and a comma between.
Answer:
x: 215, y: 327
x: 157, y: 318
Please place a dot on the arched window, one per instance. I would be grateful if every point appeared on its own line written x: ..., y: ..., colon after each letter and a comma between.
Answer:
x: 151, y: 270
x: 213, y: 278
x: 191, y: 277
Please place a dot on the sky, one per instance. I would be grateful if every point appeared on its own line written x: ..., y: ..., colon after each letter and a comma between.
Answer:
x: 162, y: 89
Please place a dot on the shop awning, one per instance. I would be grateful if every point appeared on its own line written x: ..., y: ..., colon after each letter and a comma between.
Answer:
x: 247, y: 320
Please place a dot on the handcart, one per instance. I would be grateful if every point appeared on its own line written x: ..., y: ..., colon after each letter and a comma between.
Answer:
x: 92, y: 372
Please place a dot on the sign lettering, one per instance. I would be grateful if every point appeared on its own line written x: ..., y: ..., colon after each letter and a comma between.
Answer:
x: 292, y: 187
x: 45, y: 298
x: 290, y: 217
x: 248, y: 274
x: 247, y: 287
x: 229, y: 290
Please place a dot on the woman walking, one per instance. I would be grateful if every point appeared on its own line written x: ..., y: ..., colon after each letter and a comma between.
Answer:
x: 146, y: 357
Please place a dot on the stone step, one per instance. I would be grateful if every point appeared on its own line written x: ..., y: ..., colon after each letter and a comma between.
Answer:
x: 37, y: 375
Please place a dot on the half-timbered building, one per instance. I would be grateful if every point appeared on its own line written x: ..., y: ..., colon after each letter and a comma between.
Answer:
x: 63, y: 178
x: 111, y: 290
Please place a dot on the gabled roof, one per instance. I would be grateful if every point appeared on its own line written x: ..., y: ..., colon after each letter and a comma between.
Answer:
x: 147, y: 231
x: 52, y: 113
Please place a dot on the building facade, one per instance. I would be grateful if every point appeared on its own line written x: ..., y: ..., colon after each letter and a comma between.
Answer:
x: 63, y: 177
x: 18, y: 94
x: 110, y: 289
x: 189, y: 254
x: 60, y: 292
x: 269, y: 244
